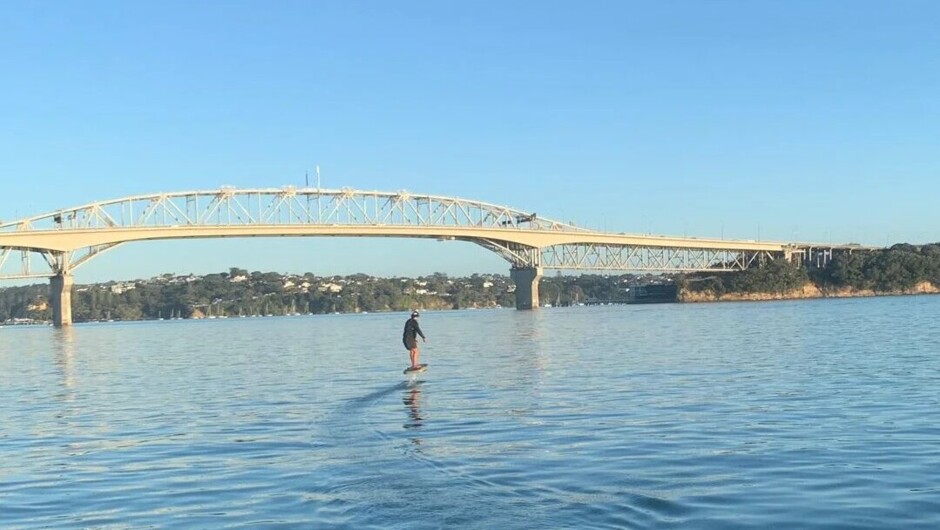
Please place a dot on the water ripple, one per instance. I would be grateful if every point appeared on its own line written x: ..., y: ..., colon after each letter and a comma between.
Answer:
x: 815, y: 414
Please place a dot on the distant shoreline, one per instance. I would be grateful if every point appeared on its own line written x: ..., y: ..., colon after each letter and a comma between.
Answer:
x: 808, y: 291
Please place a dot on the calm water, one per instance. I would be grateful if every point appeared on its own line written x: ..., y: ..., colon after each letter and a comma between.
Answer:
x: 810, y: 414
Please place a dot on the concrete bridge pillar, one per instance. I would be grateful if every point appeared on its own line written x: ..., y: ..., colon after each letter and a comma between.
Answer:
x: 527, y: 286
x: 60, y: 294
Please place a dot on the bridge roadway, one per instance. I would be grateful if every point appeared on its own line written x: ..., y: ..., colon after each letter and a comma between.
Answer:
x: 68, y: 238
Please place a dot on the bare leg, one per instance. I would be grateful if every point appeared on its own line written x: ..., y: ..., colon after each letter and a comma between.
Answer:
x: 414, y: 357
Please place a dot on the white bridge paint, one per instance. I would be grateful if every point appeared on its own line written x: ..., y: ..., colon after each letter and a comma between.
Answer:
x: 68, y: 238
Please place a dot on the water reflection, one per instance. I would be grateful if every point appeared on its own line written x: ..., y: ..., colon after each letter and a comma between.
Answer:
x: 64, y: 348
x: 412, y: 399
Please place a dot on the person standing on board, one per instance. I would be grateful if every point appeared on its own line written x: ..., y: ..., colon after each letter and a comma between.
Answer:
x: 410, y: 337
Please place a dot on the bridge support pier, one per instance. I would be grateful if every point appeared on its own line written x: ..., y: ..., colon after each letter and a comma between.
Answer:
x: 527, y: 286
x: 60, y: 294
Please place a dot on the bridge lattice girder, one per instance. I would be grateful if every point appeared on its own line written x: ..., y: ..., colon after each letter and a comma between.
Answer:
x: 65, y: 239
x: 645, y: 258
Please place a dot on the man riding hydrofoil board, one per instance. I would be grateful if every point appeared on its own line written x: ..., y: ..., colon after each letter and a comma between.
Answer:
x: 410, y: 338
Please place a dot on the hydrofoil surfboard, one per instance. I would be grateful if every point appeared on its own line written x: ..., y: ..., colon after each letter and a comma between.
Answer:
x: 421, y: 368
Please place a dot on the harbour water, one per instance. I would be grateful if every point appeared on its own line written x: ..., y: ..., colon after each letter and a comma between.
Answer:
x: 802, y: 414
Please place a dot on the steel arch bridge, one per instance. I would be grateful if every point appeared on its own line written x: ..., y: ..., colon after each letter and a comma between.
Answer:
x: 66, y: 239
x: 54, y: 244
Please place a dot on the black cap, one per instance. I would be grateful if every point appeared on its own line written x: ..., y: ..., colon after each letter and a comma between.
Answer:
x: 415, y: 314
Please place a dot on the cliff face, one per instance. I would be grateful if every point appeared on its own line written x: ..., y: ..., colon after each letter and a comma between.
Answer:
x: 809, y: 290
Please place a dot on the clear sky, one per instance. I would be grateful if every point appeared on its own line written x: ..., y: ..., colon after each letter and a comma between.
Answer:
x: 807, y: 120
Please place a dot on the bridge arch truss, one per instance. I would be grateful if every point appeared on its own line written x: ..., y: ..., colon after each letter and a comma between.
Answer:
x: 58, y: 242
x: 45, y: 244
x: 53, y: 245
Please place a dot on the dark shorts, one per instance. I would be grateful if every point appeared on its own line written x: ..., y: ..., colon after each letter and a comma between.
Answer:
x: 410, y: 344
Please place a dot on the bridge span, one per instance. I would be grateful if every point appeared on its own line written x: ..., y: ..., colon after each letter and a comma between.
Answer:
x: 55, y: 244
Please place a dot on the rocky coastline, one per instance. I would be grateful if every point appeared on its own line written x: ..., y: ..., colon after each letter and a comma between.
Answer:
x: 808, y: 290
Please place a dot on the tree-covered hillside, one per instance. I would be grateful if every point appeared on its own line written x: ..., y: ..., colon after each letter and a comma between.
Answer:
x: 896, y: 269
x: 239, y: 292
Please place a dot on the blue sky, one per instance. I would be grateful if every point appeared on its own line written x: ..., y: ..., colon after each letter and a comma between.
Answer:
x: 798, y: 120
